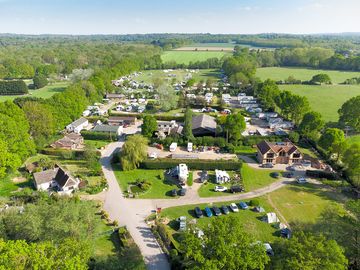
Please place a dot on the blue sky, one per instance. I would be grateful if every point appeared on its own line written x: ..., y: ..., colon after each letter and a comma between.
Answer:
x: 185, y: 16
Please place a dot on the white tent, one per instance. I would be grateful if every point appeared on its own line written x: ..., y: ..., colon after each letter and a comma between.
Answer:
x: 271, y: 218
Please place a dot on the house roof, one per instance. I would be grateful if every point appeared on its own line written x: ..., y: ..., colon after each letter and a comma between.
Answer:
x: 122, y: 118
x: 204, y: 121
x: 79, y: 122
x: 106, y: 128
x: 277, y: 147
x: 58, y: 174
x: 68, y: 140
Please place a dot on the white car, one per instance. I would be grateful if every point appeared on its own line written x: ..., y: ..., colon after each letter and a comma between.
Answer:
x: 301, y: 180
x: 220, y: 189
x: 234, y: 208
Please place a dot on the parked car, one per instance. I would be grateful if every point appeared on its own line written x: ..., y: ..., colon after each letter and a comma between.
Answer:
x: 217, y: 211
x: 198, y: 212
x: 208, y: 212
x: 289, y: 175
x: 174, y: 193
x: 225, y: 209
x: 234, y: 208
x: 291, y: 168
x: 286, y: 233
x: 269, y: 250
x: 243, y: 205
x: 306, y: 163
x: 220, y: 189
x: 236, y: 189
x: 301, y: 180
x: 275, y: 175
x: 182, y: 192
x: 268, y: 165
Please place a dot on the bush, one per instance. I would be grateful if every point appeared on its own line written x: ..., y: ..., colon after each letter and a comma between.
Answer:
x: 254, y: 202
x: 13, y: 88
x: 40, y: 81
x: 193, y: 164
x: 322, y: 174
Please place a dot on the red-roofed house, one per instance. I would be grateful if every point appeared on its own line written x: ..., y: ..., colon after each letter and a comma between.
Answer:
x: 278, y: 153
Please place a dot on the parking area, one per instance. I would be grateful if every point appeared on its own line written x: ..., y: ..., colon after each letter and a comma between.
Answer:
x: 182, y: 152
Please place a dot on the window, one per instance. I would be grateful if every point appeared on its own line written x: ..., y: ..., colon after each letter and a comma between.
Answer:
x: 296, y: 155
x: 282, y: 154
x: 270, y: 155
x: 269, y: 160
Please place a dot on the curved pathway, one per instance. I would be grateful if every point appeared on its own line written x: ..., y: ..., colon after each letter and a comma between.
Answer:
x: 132, y: 212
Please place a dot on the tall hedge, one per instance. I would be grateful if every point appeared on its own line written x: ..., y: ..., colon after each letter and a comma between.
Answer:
x: 103, y: 136
x: 13, y: 88
x: 40, y: 81
x: 193, y: 164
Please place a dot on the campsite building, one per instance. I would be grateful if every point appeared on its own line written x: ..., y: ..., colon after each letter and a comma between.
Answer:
x: 78, y: 125
x: 114, y: 130
x: 203, y: 125
x: 278, y: 153
x: 122, y: 120
x: 72, y: 141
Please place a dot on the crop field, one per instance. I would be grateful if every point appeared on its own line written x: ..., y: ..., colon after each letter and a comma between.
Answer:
x: 45, y: 92
x: 325, y: 99
x: 304, y: 74
x: 185, y: 57
x: 148, y: 76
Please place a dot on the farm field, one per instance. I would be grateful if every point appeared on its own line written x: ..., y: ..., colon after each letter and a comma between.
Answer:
x: 304, y: 74
x: 325, y: 99
x: 203, y: 74
x: 45, y: 92
x: 185, y: 57
x: 159, y: 188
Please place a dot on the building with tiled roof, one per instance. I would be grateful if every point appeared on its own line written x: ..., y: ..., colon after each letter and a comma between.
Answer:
x: 278, y: 153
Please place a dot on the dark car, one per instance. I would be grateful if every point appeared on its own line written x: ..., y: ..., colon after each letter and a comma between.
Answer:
x: 268, y: 165
x: 208, y: 212
x: 174, y: 193
x: 243, y: 205
x: 236, y: 189
x: 275, y: 175
x: 285, y: 233
x: 182, y: 192
x: 289, y: 175
x: 198, y: 212
x: 225, y: 209
x: 217, y: 211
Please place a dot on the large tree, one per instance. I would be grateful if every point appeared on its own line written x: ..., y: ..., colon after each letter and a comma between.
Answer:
x: 8, y: 161
x: 267, y: 92
x: 168, y: 99
x: 307, y: 251
x: 351, y: 160
x: 320, y: 79
x: 149, y: 126
x: 133, y: 152
x: 234, y: 126
x: 188, y: 125
x: 224, y: 245
x: 311, y: 125
x: 333, y: 141
x: 350, y: 113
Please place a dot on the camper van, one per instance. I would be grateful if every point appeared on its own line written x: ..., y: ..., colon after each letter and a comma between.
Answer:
x: 173, y: 147
x: 190, y: 147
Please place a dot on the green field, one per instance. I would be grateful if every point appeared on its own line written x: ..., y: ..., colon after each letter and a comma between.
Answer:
x: 304, y: 74
x: 44, y: 92
x: 250, y: 220
x: 256, y: 178
x: 353, y: 139
x: 148, y: 76
x: 185, y: 57
x: 325, y: 99
x: 160, y: 188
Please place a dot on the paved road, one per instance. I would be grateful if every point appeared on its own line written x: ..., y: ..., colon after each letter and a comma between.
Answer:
x: 131, y: 214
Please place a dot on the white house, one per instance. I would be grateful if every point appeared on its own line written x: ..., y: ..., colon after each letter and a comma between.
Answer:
x: 209, y: 97
x: 56, y: 179
x: 78, y: 125
x: 221, y: 177
x: 182, y: 172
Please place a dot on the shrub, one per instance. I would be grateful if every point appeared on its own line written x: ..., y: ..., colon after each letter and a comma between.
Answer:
x: 190, y: 180
x: 322, y: 174
x: 193, y: 164
x: 40, y: 81
x: 13, y: 88
x: 254, y: 202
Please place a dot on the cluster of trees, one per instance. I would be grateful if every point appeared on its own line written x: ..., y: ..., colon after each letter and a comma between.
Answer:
x: 13, y: 88
x: 39, y: 81
x: 226, y: 245
x: 133, y: 152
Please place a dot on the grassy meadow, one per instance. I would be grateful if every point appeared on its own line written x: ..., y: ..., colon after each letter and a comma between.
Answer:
x: 325, y: 99
x: 185, y: 57
x: 45, y: 92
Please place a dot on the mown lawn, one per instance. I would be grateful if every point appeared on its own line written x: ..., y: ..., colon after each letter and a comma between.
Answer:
x: 185, y: 57
x: 45, y: 92
x: 159, y: 189
x: 251, y: 220
x: 303, y: 203
x: 256, y: 178
x: 353, y: 139
x: 96, y: 143
x: 304, y: 74
x: 207, y: 189
x: 7, y: 186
